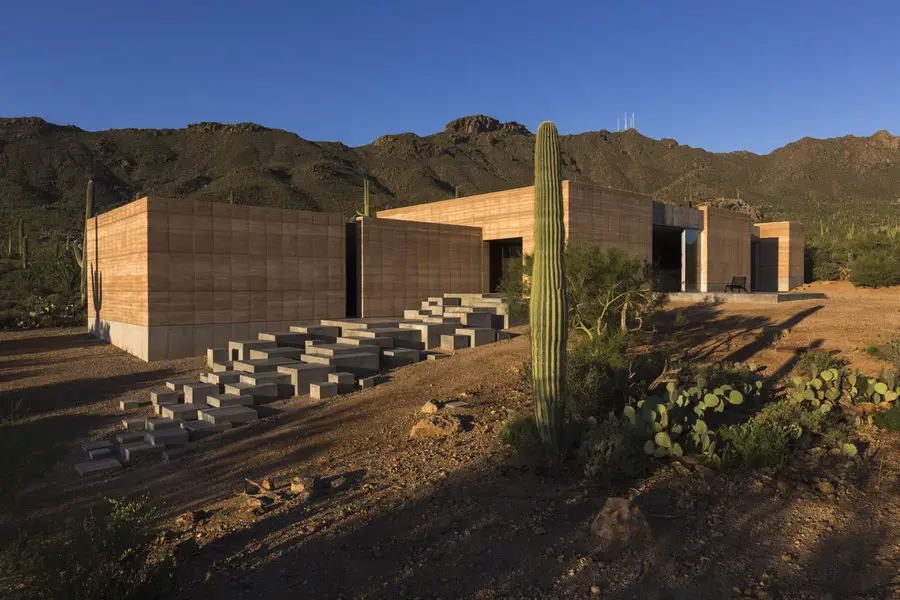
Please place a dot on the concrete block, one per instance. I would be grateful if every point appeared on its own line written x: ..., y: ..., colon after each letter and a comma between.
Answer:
x: 178, y: 384
x: 445, y: 301
x: 473, y: 319
x: 196, y: 393
x: 347, y: 325
x: 143, y: 451
x: 262, y: 365
x: 224, y: 365
x: 132, y: 404
x: 361, y: 364
x: 240, y: 350
x: 88, y: 446
x: 175, y: 453
x: 393, y: 358
x: 201, y: 429
x: 443, y: 319
x: 346, y: 382
x: 436, y: 356
x: 100, y: 453
x: 285, y: 338
x: 478, y: 336
x: 381, y: 342
x: 185, y: 412
x: 261, y: 393
x: 454, y: 342
x: 340, y: 349
x: 226, y: 400
x: 223, y: 377
x: 167, y: 396
x: 430, y: 333
x: 303, y: 374
x: 321, y: 332
x: 133, y: 424
x: 104, y: 465
x: 280, y: 352
x: 235, y: 415
x: 214, y: 355
x: 322, y: 389
x: 281, y: 380
x: 368, y: 382
x: 170, y: 435
x: 130, y: 437
x: 162, y: 423
x: 415, y: 315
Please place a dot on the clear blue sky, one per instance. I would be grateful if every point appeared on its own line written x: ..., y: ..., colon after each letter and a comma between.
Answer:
x: 722, y: 74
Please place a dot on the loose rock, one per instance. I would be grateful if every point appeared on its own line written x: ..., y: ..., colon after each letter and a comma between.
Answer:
x: 429, y: 408
x: 618, y: 524
x: 435, y: 426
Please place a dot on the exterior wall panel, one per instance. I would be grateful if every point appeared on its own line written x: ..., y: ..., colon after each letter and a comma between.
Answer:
x: 610, y: 217
x: 790, y: 240
x: 724, y: 248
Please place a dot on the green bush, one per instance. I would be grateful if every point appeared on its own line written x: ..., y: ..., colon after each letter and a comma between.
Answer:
x: 95, y: 558
x: 610, y: 449
x: 877, y: 267
x: 888, y: 350
x: 521, y: 433
x: 813, y: 362
x: 594, y: 371
x: 889, y: 419
x: 767, y: 438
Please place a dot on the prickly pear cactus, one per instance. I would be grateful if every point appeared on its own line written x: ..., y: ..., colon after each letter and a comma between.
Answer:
x: 548, y: 291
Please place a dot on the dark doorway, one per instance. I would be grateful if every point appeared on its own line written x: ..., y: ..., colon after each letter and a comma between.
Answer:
x: 501, y: 253
x: 354, y: 292
x: 667, y: 257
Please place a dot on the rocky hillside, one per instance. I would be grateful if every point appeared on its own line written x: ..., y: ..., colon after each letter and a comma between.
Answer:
x: 44, y: 167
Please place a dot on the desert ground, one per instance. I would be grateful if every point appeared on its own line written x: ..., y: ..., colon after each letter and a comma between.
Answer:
x: 465, y: 516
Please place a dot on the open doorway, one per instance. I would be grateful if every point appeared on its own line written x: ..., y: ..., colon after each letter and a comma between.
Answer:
x: 502, y: 252
x: 667, y: 257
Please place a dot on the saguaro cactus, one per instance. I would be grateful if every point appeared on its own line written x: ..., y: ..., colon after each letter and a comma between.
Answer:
x: 23, y: 245
x: 366, y: 197
x: 81, y: 253
x: 548, y: 289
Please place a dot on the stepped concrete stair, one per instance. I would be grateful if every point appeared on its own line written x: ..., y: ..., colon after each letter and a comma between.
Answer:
x: 282, y: 381
x: 214, y: 355
x: 286, y: 338
x: 223, y: 377
x: 478, y: 336
x: 225, y: 365
x: 346, y: 325
x: 240, y: 350
x: 196, y: 393
x: 322, y: 332
x: 166, y: 396
x: 339, y: 349
x: 454, y: 342
x: 167, y: 436
x: 473, y: 319
x: 443, y: 319
x: 261, y: 365
x: 393, y: 358
x: 264, y: 392
x: 361, y: 364
x: 138, y: 451
x: 185, y: 412
x: 415, y: 315
x: 226, y: 400
x: 201, y: 429
x: 322, y: 390
x: 346, y: 382
x: 280, y: 352
x: 178, y: 384
x: 381, y: 342
x: 236, y: 415
x: 304, y: 374
x: 402, y: 338
x: 430, y: 333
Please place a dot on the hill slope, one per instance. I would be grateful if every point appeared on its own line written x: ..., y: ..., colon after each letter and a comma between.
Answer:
x: 44, y: 167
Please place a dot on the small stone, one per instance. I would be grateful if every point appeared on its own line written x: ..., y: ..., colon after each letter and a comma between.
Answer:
x: 308, y: 487
x: 539, y: 531
x: 429, y: 408
x: 786, y: 557
x: 595, y: 590
x: 619, y: 524
x: 259, y: 501
x: 458, y: 404
x: 436, y: 425
x: 826, y: 487
x: 274, y: 482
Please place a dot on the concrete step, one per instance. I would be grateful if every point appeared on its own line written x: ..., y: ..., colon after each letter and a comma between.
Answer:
x: 224, y: 365
x: 264, y: 392
x: 453, y: 342
x: 280, y: 352
x: 303, y: 374
x: 474, y: 319
x: 415, y: 315
x: 322, y: 389
x: 167, y: 437
x: 223, y: 377
x: 382, y: 342
x: 346, y: 325
x: 138, y: 451
x: 166, y: 396
x: 444, y: 319
x: 346, y: 382
x: 200, y: 429
x: 433, y: 310
x: 103, y: 465
x: 240, y: 350
x: 236, y: 415
x: 156, y: 424
x: 430, y: 333
x: 478, y: 336
x: 178, y: 384
x: 214, y: 355
x: 393, y: 358
x: 339, y: 349
x: 196, y: 393
x: 261, y: 365
x: 282, y: 381
x: 361, y: 364
x: 185, y: 412
x: 445, y: 301
x: 285, y: 338
x: 324, y: 332
x: 226, y: 400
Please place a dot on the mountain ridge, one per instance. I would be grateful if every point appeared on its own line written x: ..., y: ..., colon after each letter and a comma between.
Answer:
x: 44, y: 167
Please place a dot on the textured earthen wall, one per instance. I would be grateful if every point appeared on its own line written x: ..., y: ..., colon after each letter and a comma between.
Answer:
x: 610, y: 217
x: 405, y: 262
x: 724, y: 248
x: 790, y: 239
x: 214, y: 272
x: 117, y: 276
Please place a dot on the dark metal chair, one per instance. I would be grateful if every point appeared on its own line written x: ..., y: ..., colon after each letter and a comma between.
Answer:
x: 737, y: 284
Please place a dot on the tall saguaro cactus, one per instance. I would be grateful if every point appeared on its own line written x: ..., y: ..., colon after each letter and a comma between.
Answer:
x: 23, y: 245
x: 366, y: 197
x: 548, y: 289
x: 82, y: 260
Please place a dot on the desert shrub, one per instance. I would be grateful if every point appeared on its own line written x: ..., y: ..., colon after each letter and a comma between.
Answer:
x: 97, y: 557
x: 594, y: 368
x: 521, y: 433
x: 768, y: 437
x: 715, y: 375
x: 679, y: 319
x: 877, y: 264
x: 813, y: 362
x: 888, y: 350
x: 604, y: 288
x: 610, y: 448
x: 889, y: 419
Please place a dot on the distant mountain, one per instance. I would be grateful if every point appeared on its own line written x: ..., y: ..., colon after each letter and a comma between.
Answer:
x: 44, y: 168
